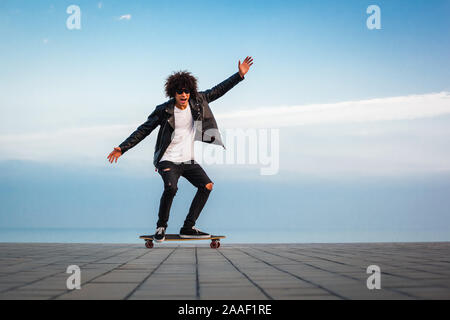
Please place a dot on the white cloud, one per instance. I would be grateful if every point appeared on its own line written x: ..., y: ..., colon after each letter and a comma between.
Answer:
x: 125, y: 17
x: 100, y: 5
x: 383, y: 109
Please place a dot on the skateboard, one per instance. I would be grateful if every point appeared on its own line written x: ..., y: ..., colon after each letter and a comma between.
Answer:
x: 215, y: 240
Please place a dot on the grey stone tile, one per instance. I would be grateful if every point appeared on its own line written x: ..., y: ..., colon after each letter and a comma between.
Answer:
x: 428, y: 292
x: 100, y: 291
x: 235, y: 271
x: 122, y: 276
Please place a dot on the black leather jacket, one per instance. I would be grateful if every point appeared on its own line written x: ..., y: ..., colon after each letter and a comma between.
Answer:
x: 205, y: 124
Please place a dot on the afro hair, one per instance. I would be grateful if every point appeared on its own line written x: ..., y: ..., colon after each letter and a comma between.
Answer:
x: 180, y: 80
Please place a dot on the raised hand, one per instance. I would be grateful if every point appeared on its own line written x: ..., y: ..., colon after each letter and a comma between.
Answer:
x: 115, y: 154
x: 245, y: 66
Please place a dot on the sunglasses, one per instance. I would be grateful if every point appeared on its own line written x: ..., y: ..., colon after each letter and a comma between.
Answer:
x: 180, y: 91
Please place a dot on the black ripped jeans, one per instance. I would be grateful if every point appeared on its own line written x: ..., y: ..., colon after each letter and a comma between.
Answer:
x: 170, y: 173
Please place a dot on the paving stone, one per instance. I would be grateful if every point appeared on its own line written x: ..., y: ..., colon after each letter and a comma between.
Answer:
x: 122, y: 276
x: 235, y: 271
x: 100, y: 291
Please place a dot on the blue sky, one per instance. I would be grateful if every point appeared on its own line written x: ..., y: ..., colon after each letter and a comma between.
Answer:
x: 359, y: 105
x: 305, y: 52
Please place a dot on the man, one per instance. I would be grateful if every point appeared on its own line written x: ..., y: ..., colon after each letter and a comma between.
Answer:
x: 186, y: 117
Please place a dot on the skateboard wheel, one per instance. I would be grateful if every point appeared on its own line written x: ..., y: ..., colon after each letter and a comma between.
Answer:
x: 149, y: 244
x: 214, y: 244
x: 218, y: 244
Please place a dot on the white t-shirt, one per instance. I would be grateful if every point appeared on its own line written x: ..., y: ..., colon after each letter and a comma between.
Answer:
x: 181, y: 148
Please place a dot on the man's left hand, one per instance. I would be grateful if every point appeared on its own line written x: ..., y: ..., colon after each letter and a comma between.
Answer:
x: 245, y: 66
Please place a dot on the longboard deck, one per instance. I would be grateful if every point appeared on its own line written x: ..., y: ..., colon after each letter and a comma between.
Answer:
x: 176, y: 237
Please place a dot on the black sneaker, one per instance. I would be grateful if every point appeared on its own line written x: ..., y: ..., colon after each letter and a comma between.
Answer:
x: 193, y: 233
x: 160, y: 234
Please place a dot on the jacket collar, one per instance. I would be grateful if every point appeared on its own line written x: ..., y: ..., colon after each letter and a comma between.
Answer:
x: 170, y: 105
x: 170, y: 110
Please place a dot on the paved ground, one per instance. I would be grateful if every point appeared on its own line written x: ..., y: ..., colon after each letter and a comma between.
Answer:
x: 272, y: 271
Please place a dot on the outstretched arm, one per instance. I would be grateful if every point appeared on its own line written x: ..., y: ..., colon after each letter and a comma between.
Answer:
x: 137, y: 136
x: 223, y: 87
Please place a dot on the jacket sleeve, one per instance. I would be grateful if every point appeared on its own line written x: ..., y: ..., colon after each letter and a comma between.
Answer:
x: 141, y: 132
x: 222, y: 88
